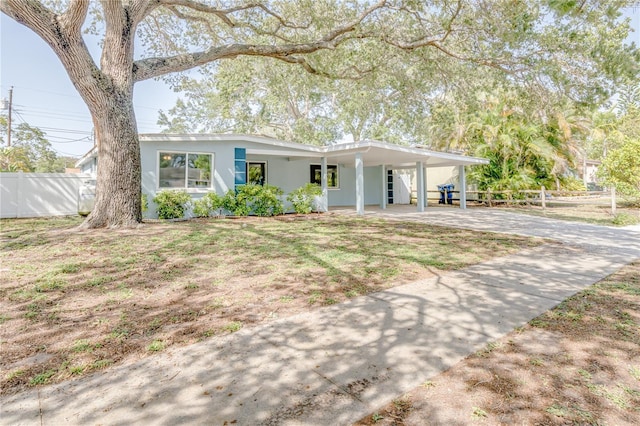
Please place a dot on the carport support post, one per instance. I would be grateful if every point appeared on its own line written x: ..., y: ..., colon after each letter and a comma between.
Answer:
x: 426, y: 188
x: 359, y: 184
x: 324, y: 184
x: 383, y: 200
x: 463, y: 187
x: 420, y: 189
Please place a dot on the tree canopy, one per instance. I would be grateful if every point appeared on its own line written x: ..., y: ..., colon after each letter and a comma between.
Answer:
x: 552, y: 53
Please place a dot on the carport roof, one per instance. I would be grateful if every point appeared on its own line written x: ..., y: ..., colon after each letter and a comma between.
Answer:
x: 375, y: 153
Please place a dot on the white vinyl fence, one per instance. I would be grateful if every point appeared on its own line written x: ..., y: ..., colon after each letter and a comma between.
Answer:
x: 39, y: 194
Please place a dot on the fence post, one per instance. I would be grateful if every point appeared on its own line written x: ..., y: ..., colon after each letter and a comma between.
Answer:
x: 543, y: 197
x: 489, y: 196
x: 20, y: 194
x: 613, y: 200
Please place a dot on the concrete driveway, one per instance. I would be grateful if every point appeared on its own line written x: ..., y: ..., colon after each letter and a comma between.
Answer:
x: 337, y: 364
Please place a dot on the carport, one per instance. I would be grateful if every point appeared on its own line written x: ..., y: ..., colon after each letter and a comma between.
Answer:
x: 387, y: 157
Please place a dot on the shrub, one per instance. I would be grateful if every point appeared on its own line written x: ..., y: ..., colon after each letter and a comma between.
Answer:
x: 303, y: 198
x: 230, y: 204
x: 621, y: 168
x: 261, y: 200
x: 568, y: 183
x: 255, y: 199
x: 172, y: 204
x: 144, y: 202
x: 623, y: 219
x: 208, y: 205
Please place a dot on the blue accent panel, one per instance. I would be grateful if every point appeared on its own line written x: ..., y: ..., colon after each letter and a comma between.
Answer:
x: 240, y: 166
x: 241, y: 154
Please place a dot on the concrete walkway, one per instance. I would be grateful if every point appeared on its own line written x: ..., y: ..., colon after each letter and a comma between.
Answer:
x: 337, y: 364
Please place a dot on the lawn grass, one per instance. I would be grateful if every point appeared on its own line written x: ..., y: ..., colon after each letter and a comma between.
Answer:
x: 78, y: 301
x: 587, y: 213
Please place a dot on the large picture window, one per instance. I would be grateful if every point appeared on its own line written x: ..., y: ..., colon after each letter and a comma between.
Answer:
x: 332, y: 175
x: 184, y: 170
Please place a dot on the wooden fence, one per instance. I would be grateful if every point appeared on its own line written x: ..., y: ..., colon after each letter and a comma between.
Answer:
x: 542, y: 197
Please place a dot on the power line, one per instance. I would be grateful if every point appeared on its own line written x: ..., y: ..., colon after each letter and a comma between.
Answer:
x: 76, y: 96
x: 59, y: 130
x: 51, y: 116
x: 54, y: 111
x: 85, y: 139
x: 66, y: 117
x: 68, y: 154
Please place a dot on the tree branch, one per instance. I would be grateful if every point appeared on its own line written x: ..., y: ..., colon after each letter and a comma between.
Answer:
x: 300, y: 60
x: 155, y: 67
x: 33, y: 15
x: 181, y: 15
x: 75, y: 16
x: 200, y: 7
x: 62, y: 33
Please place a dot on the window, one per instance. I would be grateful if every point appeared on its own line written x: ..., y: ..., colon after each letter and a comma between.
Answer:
x: 184, y: 170
x: 332, y: 175
x: 257, y: 173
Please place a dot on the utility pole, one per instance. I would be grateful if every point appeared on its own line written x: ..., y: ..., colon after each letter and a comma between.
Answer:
x: 9, y: 119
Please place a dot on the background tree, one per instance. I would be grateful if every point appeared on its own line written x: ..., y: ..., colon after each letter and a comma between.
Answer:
x: 30, y: 151
x: 621, y: 168
x: 525, y: 150
x: 613, y: 127
x: 571, y: 46
x: 617, y: 143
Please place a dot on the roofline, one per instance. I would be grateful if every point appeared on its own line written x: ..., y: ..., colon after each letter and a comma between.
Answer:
x: 342, y: 148
x: 89, y: 155
x: 175, y: 137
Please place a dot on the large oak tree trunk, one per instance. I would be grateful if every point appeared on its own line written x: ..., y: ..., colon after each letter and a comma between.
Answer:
x: 110, y: 100
x: 118, y: 200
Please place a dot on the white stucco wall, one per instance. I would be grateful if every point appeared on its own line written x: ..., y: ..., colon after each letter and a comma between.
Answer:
x: 441, y: 175
x: 286, y: 172
x: 346, y: 195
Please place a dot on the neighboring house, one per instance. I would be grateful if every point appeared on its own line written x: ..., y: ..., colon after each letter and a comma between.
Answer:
x: 405, y: 186
x: 590, y: 174
x: 351, y: 174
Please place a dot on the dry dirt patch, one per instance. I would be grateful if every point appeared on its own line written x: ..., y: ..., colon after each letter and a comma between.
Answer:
x: 77, y: 301
x: 578, y: 364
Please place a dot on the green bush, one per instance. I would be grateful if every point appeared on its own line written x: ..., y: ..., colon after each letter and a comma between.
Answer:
x: 623, y: 219
x: 303, y: 198
x: 230, y: 204
x: 171, y: 204
x: 568, y: 183
x: 253, y: 199
x: 261, y: 200
x: 144, y: 202
x: 621, y: 168
x: 208, y: 205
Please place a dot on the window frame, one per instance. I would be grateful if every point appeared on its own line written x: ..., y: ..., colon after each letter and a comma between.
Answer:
x: 319, y: 166
x: 185, y: 187
x: 264, y: 166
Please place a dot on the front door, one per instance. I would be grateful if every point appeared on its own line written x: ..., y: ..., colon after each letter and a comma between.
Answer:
x: 401, y: 187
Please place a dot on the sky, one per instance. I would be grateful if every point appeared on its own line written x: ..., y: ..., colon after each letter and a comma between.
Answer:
x: 44, y: 97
